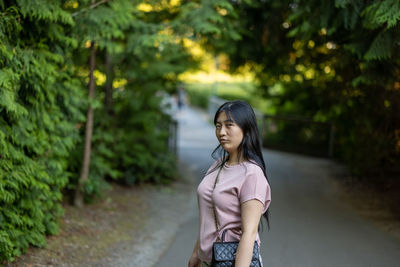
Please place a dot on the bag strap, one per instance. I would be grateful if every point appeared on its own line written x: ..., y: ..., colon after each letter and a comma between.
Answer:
x: 213, y: 204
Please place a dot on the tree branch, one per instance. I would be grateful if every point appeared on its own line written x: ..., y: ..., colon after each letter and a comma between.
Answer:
x: 90, y: 7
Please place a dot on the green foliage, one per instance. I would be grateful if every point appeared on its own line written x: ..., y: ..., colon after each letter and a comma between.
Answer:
x: 198, y: 94
x: 103, y: 23
x: 335, y: 61
x: 381, y: 47
x: 44, y: 10
x: 380, y: 13
x: 140, y: 150
x: 296, y: 135
x: 37, y: 118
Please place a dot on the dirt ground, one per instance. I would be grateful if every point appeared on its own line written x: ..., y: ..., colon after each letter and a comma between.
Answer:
x: 378, y: 204
x: 113, y: 231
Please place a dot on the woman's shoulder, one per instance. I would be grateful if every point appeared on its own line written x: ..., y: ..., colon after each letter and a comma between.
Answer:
x: 253, y: 168
x: 254, y: 173
x: 254, y: 185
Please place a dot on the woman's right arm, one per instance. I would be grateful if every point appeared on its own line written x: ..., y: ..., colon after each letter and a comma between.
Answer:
x: 194, y: 260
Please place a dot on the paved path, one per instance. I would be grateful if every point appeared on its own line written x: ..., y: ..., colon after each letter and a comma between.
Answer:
x: 310, y: 226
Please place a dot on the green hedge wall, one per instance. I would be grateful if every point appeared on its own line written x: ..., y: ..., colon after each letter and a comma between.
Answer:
x: 38, y: 112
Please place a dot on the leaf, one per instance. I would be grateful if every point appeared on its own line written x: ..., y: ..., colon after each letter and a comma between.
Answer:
x: 45, y: 10
x: 381, y: 47
x: 360, y: 80
x: 380, y: 13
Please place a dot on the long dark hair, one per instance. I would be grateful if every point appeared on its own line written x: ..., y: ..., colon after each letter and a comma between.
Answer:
x: 250, y: 148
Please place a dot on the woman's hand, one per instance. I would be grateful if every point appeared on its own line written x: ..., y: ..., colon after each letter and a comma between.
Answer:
x: 194, y: 261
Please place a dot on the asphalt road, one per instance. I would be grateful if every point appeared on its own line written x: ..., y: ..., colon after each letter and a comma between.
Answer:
x: 310, y: 225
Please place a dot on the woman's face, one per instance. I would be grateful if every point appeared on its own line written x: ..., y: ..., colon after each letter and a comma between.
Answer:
x: 229, y: 134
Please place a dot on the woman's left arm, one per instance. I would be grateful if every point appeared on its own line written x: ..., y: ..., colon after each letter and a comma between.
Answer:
x: 251, y: 213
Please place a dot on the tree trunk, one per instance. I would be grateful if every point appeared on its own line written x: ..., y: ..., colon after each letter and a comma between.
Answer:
x: 109, y: 84
x: 78, y: 201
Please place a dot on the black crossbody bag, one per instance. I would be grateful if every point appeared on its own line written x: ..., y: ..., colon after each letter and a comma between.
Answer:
x: 224, y: 253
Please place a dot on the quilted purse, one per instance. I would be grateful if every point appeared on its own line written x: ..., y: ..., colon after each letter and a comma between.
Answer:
x: 223, y: 253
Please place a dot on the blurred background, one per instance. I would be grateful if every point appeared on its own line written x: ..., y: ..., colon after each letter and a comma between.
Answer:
x: 93, y: 92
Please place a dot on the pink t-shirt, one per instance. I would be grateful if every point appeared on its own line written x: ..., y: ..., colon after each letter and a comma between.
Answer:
x: 236, y: 185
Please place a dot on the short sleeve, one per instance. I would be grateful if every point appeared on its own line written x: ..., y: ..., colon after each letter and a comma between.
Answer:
x: 255, y: 186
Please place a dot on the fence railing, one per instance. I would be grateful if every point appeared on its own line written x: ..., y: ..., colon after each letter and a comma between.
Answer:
x: 298, y: 134
x: 169, y: 107
x: 290, y: 133
x: 173, y: 137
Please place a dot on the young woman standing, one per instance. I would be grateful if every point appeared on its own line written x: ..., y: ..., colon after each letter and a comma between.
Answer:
x: 242, y: 193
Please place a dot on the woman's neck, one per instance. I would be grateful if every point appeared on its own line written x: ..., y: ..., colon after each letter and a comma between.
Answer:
x: 234, y: 159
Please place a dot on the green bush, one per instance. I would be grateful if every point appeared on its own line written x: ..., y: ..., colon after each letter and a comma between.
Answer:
x: 199, y: 93
x: 140, y: 144
x: 38, y: 114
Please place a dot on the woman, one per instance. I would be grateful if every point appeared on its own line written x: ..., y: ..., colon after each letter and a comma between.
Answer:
x: 242, y: 193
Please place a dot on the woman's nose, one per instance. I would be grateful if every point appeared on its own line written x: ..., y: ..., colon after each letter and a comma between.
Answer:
x: 222, y: 131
